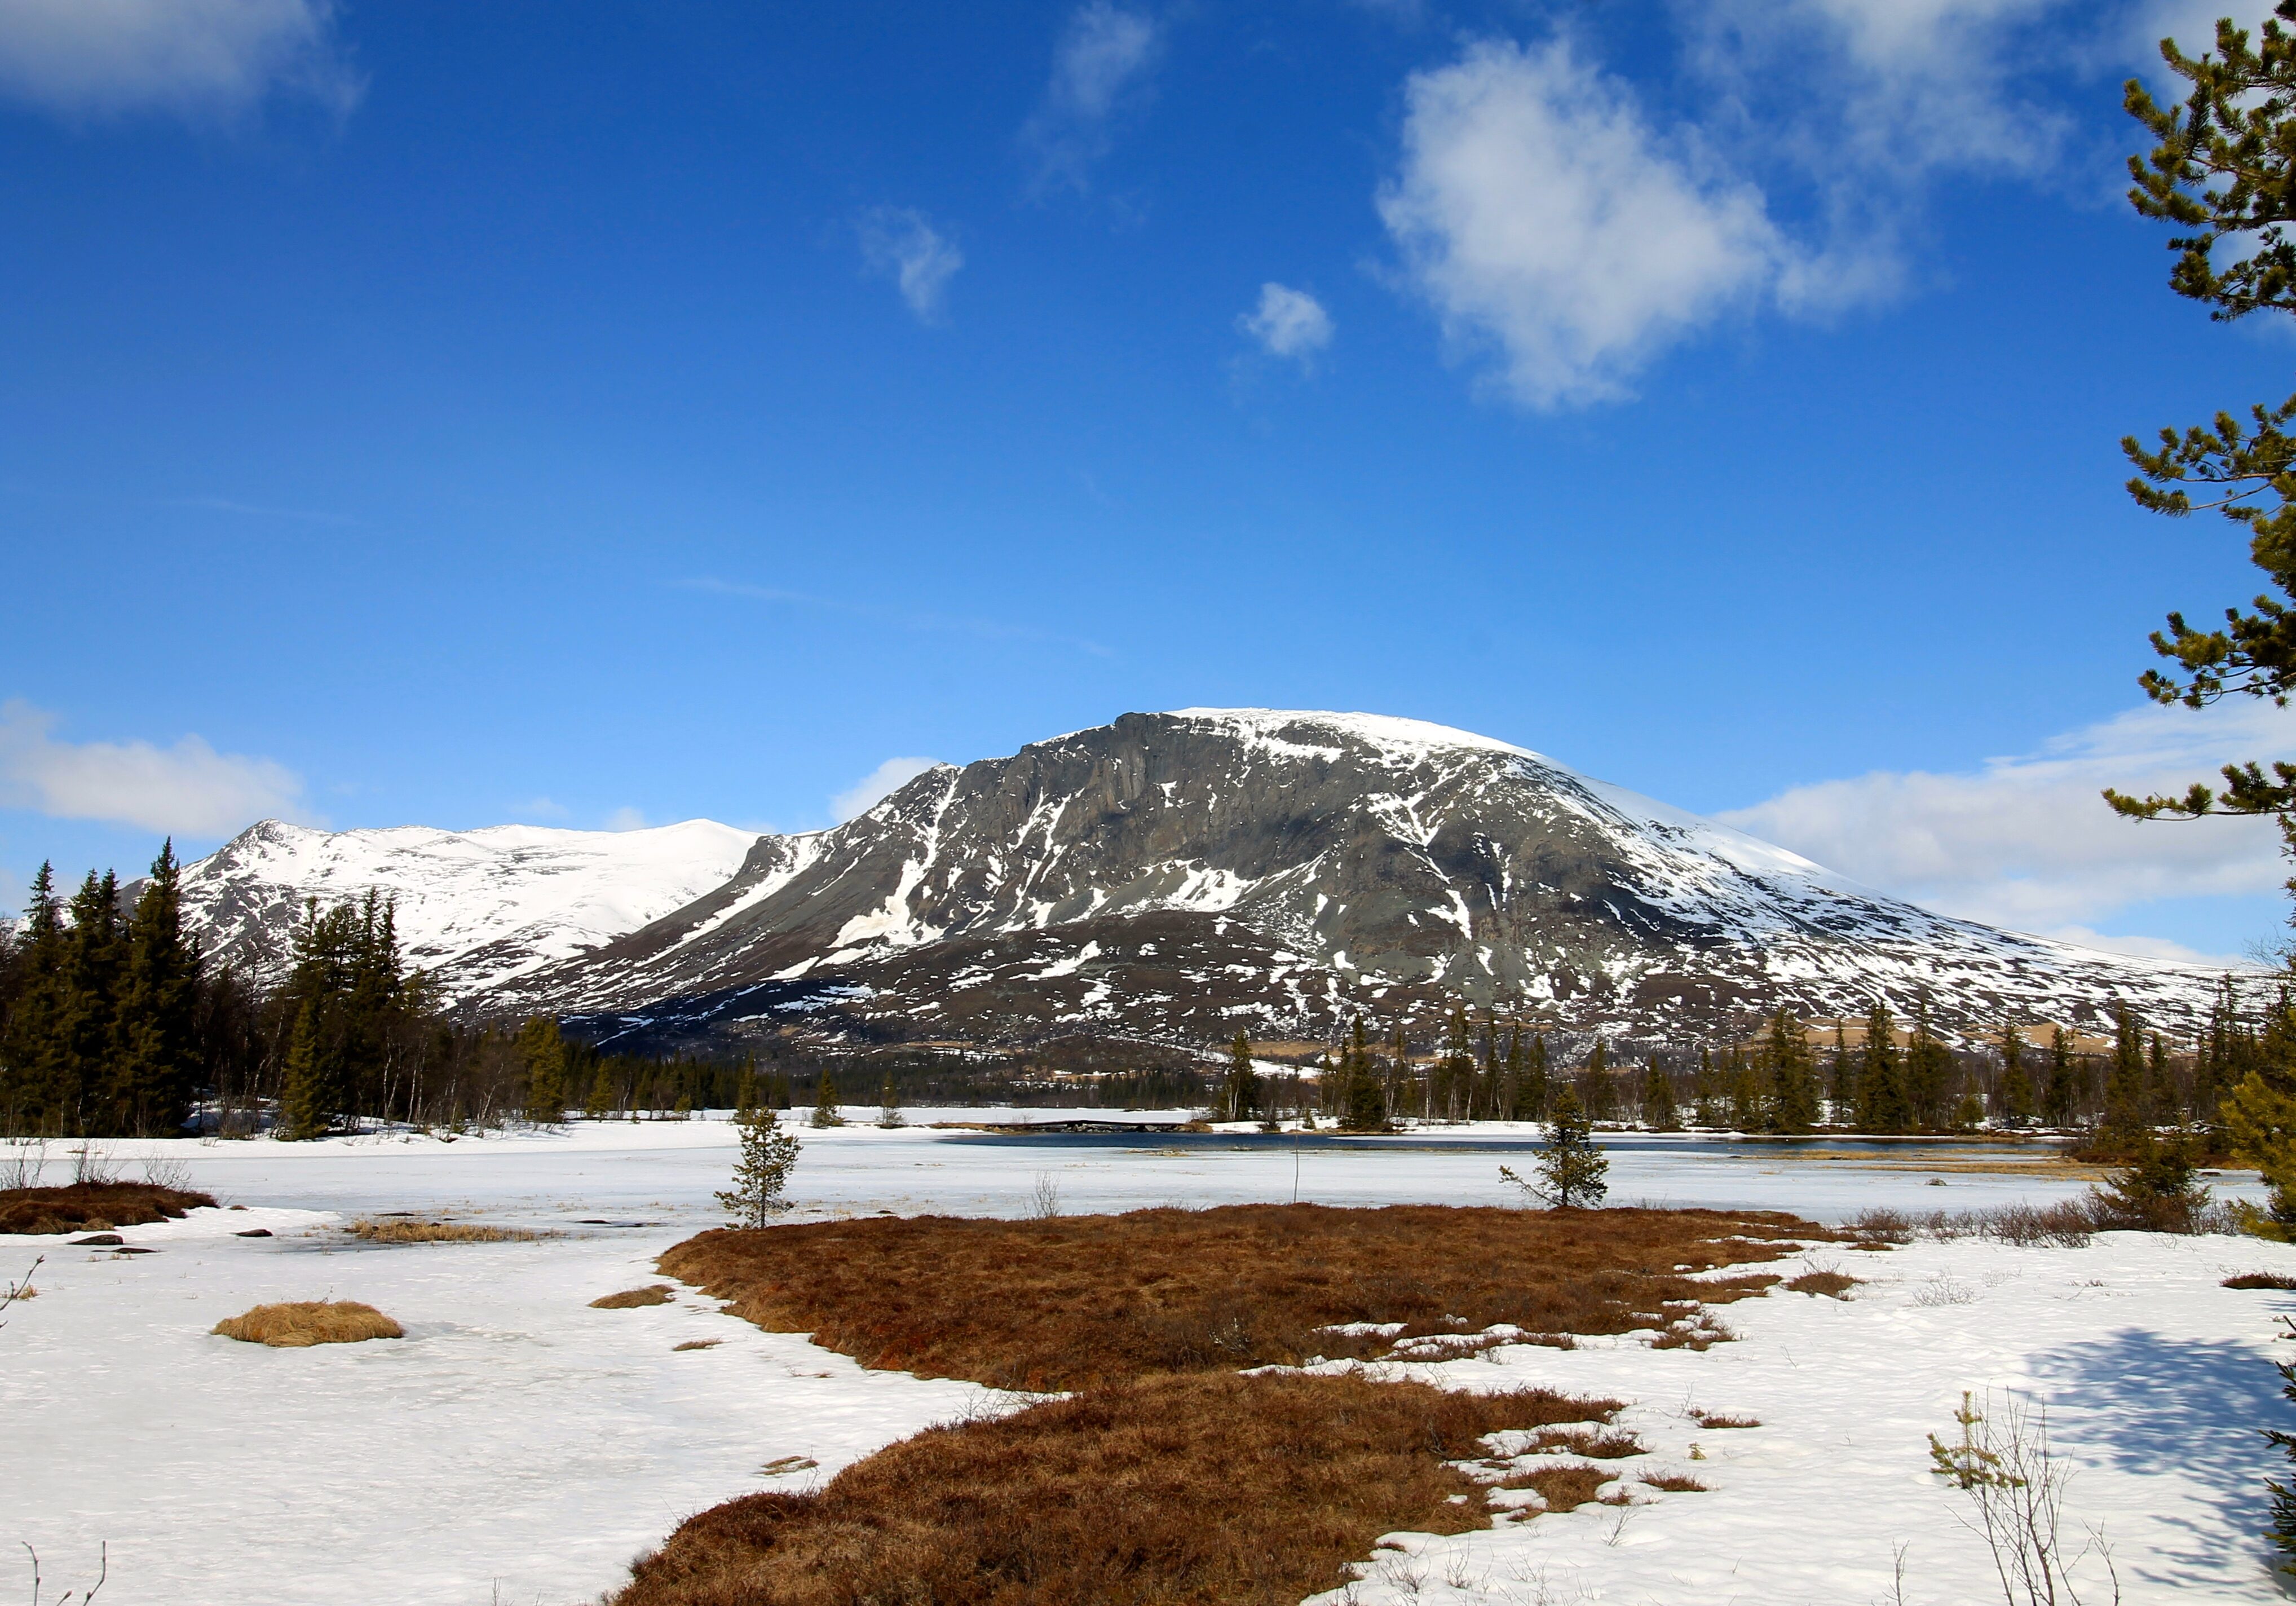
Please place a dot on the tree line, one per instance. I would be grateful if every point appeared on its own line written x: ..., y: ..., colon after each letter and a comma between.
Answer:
x: 1780, y: 1082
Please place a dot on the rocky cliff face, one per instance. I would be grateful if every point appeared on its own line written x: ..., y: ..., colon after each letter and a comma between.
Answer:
x: 1182, y: 875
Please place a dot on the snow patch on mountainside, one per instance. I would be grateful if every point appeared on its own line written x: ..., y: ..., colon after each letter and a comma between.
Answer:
x: 478, y: 907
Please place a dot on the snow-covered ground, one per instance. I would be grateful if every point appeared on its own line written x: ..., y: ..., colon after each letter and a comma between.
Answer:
x: 519, y: 1446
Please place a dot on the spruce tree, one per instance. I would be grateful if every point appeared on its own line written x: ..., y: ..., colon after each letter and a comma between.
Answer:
x: 599, y: 1104
x: 1510, y: 1089
x: 825, y: 1112
x: 32, y: 1093
x: 543, y: 1052
x: 1364, y: 1111
x: 304, y: 1106
x: 1842, y: 1090
x: 1538, y: 1081
x: 1793, y: 1088
x: 1881, y: 1105
x: 889, y: 1109
x: 1571, y: 1169
x: 1243, y: 1091
x: 1597, y: 1097
x: 2058, y: 1097
x: 94, y: 957
x: 156, y: 1071
x: 1658, y: 1099
x: 2125, y: 1116
x: 1747, y: 1113
x: 1929, y: 1074
x: 2014, y: 1097
x: 1706, y: 1089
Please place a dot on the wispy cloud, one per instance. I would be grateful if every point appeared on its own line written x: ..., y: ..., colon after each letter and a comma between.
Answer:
x: 879, y: 784
x: 197, y: 59
x: 189, y: 789
x: 2025, y: 841
x: 1543, y: 218
x: 1101, y: 68
x: 1288, y: 324
x: 898, y: 244
x: 956, y: 624
x: 625, y: 818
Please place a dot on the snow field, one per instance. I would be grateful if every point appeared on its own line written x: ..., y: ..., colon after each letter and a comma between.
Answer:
x: 518, y: 1446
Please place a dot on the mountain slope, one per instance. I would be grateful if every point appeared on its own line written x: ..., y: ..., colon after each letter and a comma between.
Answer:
x: 477, y: 907
x: 1183, y: 875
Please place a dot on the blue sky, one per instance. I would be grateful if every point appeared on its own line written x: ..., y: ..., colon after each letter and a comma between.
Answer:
x: 462, y: 411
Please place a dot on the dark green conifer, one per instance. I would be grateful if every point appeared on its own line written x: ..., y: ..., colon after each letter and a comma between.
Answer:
x: 2060, y: 1096
x: 1794, y: 1085
x: 1571, y: 1167
x: 1881, y: 1105
x: 1658, y: 1099
x: 2013, y: 1096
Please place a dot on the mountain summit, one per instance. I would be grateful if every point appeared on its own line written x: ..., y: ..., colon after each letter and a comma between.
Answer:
x: 1183, y: 875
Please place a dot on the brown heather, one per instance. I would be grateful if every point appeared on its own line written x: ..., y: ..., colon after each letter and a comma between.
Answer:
x: 1077, y: 1301
x: 630, y: 1298
x: 298, y: 1326
x: 1157, y: 1491
x: 98, y: 1205
x: 437, y: 1232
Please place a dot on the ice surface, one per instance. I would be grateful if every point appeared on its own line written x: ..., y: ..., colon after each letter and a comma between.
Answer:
x: 519, y: 1442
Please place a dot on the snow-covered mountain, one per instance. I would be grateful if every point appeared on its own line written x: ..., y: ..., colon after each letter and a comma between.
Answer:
x: 1181, y: 875
x: 476, y: 907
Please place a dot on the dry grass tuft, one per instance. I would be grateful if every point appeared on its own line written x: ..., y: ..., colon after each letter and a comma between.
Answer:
x: 698, y: 1344
x: 98, y: 1205
x: 2261, y: 1279
x: 297, y: 1326
x: 437, y: 1232
x: 1207, y: 1488
x: 1718, y: 1420
x: 630, y: 1298
x: 1078, y: 1300
x: 1833, y: 1285
x: 1675, y: 1483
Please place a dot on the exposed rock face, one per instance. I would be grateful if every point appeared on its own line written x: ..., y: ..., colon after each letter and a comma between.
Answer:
x: 475, y: 907
x: 1182, y: 875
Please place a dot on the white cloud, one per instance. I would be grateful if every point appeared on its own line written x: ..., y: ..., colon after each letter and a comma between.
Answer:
x: 1100, y: 67
x: 1538, y: 213
x: 1288, y: 322
x: 188, y: 789
x: 625, y: 818
x: 192, y: 57
x: 2026, y: 841
x: 541, y: 809
x: 879, y: 784
x: 897, y: 243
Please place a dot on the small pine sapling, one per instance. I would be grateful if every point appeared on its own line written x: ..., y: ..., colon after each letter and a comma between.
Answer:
x: 889, y: 1113
x: 1570, y: 1170
x: 2157, y: 1190
x: 761, y: 1173
x: 825, y: 1112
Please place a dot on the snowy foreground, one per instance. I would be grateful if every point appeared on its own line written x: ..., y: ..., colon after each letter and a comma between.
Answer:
x: 519, y: 1446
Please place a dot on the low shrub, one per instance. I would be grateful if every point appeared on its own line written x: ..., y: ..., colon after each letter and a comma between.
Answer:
x: 1064, y: 1303
x: 1249, y: 1491
x: 1718, y: 1420
x: 297, y: 1326
x: 630, y: 1298
x: 2274, y: 1280
x: 1832, y: 1285
x: 94, y: 1205
x: 437, y: 1231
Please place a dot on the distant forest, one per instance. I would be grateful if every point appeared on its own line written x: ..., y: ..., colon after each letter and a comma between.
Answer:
x: 112, y: 1023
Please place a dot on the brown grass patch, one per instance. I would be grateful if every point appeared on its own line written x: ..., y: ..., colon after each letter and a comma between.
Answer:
x: 297, y: 1326
x: 1153, y: 1492
x: 698, y: 1344
x: 1069, y: 1302
x: 437, y: 1231
x: 1718, y: 1420
x: 2261, y: 1279
x: 630, y: 1298
x: 1675, y: 1483
x: 99, y: 1205
x: 1832, y: 1285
